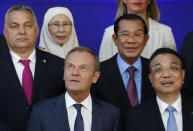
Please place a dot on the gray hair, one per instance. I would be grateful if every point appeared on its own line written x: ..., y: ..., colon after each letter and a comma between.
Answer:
x: 19, y: 8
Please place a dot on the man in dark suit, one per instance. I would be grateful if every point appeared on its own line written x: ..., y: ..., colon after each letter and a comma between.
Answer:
x: 130, y: 37
x: 167, y: 75
x: 187, y: 54
x: 60, y: 113
x: 21, y: 85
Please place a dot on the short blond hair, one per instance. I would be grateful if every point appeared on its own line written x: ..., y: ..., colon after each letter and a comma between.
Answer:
x: 152, y: 10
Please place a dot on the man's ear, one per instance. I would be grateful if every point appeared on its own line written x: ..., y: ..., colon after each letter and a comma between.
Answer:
x: 114, y: 37
x: 96, y: 76
x: 146, y: 39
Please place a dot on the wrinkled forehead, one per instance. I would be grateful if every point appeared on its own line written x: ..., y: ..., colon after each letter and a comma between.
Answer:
x: 20, y: 16
x: 80, y: 57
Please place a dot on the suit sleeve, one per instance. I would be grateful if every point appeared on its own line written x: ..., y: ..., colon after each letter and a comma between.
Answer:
x: 34, y: 123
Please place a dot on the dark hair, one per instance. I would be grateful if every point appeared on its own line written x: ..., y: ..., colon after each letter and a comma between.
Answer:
x: 167, y: 51
x: 88, y: 50
x: 129, y: 17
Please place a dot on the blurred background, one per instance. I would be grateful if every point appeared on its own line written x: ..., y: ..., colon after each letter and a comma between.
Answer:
x: 91, y: 17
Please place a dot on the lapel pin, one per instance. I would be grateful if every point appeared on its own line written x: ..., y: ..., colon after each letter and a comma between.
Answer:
x: 44, y: 60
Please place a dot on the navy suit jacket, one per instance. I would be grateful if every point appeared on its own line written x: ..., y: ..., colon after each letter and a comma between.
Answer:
x: 48, y: 82
x: 187, y: 54
x: 51, y: 115
x: 147, y: 117
x: 110, y: 86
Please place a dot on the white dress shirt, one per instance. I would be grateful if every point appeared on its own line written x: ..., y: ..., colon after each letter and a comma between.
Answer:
x: 86, y: 112
x: 177, y: 113
x: 19, y: 66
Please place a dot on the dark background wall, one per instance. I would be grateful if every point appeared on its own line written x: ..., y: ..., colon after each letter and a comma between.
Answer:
x: 93, y: 16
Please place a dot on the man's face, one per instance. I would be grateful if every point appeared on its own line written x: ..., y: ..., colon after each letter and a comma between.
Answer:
x: 166, y: 74
x: 21, y: 31
x: 79, y: 73
x: 130, y: 39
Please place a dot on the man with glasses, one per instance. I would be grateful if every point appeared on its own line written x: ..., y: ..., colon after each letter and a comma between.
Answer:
x: 171, y: 110
x: 124, y: 78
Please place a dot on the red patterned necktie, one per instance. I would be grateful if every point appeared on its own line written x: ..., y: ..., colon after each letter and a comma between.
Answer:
x: 27, y: 80
x: 131, y: 87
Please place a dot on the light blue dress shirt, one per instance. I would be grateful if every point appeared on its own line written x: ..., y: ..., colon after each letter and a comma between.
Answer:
x: 122, y: 65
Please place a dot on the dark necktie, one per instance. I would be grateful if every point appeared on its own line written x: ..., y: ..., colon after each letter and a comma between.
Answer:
x: 27, y: 80
x: 171, y: 123
x: 131, y: 87
x: 78, y: 125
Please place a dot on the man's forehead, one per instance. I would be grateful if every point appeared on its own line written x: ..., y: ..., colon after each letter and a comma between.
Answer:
x: 79, y: 56
x: 17, y: 14
x: 163, y: 59
x: 128, y: 23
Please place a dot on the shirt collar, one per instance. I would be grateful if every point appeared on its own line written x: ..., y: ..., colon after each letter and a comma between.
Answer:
x: 16, y: 58
x: 177, y: 105
x: 124, y: 65
x: 87, y: 103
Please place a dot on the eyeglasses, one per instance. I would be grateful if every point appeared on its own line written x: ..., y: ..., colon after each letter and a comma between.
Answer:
x: 171, y: 68
x: 137, y: 37
x: 58, y: 25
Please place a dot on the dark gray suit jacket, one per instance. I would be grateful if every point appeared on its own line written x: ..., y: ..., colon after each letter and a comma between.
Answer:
x: 48, y: 82
x: 110, y: 87
x: 147, y: 117
x: 51, y: 115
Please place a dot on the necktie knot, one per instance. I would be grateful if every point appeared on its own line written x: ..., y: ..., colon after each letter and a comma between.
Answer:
x: 25, y: 62
x: 170, y: 109
x: 78, y: 107
x: 131, y: 70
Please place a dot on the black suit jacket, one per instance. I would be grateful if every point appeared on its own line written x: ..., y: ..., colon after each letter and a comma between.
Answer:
x: 110, y: 86
x: 147, y: 117
x: 187, y: 54
x: 3, y: 43
x: 48, y: 82
x: 51, y: 115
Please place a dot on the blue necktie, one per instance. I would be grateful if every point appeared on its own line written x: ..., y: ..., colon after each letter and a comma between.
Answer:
x: 171, y: 124
x: 78, y: 126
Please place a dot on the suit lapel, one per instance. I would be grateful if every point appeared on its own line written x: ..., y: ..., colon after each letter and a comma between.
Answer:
x: 147, y: 91
x: 120, y: 88
x: 97, y: 116
x: 9, y: 71
x: 153, y: 117
x: 39, y: 75
x: 60, y: 113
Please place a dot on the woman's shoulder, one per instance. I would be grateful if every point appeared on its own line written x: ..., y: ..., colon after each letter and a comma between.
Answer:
x: 158, y: 26
x: 110, y: 28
